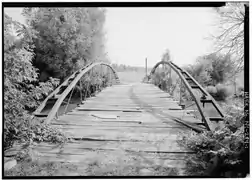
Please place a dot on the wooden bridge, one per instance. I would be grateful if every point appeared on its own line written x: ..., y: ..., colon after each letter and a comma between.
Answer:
x: 132, y: 124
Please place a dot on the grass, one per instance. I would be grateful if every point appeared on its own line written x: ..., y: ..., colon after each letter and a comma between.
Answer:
x: 38, y: 168
x: 105, y: 163
x: 131, y: 76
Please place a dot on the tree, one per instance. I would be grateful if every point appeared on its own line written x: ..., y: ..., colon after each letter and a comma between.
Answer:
x: 67, y: 39
x: 200, y: 71
x: 212, y: 69
x: 21, y: 90
x: 230, y: 40
x: 166, y: 56
x: 221, y: 67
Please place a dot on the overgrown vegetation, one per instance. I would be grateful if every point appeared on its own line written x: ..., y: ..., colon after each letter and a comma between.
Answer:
x: 105, y: 163
x: 220, y: 153
x: 21, y: 87
x: 39, y: 55
x: 215, y: 73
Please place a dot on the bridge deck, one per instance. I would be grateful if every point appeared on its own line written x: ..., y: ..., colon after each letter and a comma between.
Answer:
x: 123, y: 124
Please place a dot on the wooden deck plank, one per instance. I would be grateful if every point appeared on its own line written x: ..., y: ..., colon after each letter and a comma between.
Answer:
x: 163, y: 147
x: 100, y: 124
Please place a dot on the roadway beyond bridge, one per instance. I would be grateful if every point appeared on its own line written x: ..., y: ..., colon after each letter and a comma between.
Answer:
x: 121, y: 125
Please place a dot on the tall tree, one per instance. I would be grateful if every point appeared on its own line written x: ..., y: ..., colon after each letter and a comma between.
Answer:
x: 20, y: 91
x: 166, y: 56
x: 220, y: 67
x: 230, y: 39
x: 67, y: 38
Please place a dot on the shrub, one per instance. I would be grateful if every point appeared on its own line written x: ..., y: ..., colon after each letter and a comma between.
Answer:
x: 219, y: 92
x: 240, y: 88
x: 240, y: 92
x: 21, y: 89
x: 200, y: 72
x: 222, y: 92
x: 218, y: 153
x: 221, y: 152
x: 211, y: 90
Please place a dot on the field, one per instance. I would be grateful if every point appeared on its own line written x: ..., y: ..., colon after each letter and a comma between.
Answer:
x: 131, y: 76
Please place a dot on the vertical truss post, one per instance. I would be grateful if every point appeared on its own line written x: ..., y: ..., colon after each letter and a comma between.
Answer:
x: 110, y: 79
x: 69, y: 99
x: 80, y: 89
x: 101, y: 86
x: 91, y: 80
x: 168, y: 79
x: 57, y: 115
x: 180, y: 94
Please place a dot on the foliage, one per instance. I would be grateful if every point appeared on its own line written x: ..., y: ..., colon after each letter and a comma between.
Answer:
x: 92, y: 83
x: 166, y: 56
x: 221, y: 67
x: 222, y: 92
x: 240, y: 92
x: 230, y: 39
x: 212, y: 69
x: 160, y: 79
x: 21, y: 89
x: 221, y: 152
x: 45, y: 133
x: 123, y: 68
x: 219, y: 92
x: 40, y: 168
x: 200, y: 72
x: 67, y: 38
x: 57, y: 41
x: 211, y: 90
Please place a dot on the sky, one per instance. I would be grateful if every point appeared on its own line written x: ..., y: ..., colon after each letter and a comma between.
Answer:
x: 133, y: 34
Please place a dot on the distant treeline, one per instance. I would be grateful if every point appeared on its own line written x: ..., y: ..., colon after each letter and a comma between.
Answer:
x: 123, y: 68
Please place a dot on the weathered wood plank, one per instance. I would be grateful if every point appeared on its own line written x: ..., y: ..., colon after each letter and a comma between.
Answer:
x: 163, y: 147
x: 99, y: 126
x: 121, y: 135
x: 147, y: 129
x: 172, y: 160
x: 107, y: 109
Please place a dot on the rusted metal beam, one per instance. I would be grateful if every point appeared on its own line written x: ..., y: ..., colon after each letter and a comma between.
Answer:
x: 180, y: 73
x: 63, y: 95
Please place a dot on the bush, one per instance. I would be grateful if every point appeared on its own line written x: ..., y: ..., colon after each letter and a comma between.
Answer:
x: 211, y: 90
x: 240, y: 88
x: 222, y: 92
x: 200, y: 72
x: 240, y: 92
x: 21, y: 88
x: 221, y: 152
x: 219, y: 92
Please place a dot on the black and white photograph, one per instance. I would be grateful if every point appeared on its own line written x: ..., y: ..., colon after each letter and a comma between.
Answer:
x: 125, y: 90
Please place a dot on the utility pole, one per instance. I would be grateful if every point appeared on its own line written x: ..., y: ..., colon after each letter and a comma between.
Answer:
x: 146, y: 67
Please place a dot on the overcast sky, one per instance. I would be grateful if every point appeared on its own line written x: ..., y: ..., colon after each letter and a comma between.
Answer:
x: 136, y: 33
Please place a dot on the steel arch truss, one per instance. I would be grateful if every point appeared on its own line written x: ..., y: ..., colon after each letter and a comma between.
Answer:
x: 68, y: 85
x: 190, y: 83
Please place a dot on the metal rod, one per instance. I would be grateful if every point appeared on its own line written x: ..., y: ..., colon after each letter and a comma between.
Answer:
x: 110, y: 80
x: 187, y: 85
x: 80, y: 90
x: 57, y: 105
x: 69, y: 100
x: 180, y: 94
